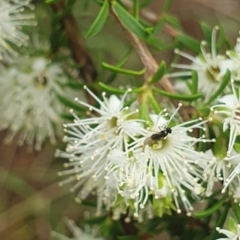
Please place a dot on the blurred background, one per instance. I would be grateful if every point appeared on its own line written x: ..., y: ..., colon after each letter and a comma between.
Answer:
x: 31, y: 202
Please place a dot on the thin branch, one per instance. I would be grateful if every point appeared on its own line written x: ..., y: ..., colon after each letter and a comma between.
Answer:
x: 79, y: 52
x: 149, y: 62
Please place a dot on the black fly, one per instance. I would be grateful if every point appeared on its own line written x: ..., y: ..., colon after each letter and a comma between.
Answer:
x: 164, y: 130
x: 157, y: 136
x: 162, y: 134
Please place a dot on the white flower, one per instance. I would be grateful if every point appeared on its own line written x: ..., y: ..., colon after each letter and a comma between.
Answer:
x: 77, y: 233
x: 174, y: 156
x: 92, y: 143
x: 129, y: 175
x: 232, y: 182
x: 229, y: 107
x: 130, y: 186
x: 230, y: 235
x: 217, y: 169
x: 235, y: 57
x: 11, y: 21
x: 225, y: 170
x: 113, y: 156
x: 115, y: 122
x: 209, y: 66
x: 29, y: 103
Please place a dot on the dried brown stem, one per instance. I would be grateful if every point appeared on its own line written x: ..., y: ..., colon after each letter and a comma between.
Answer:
x: 149, y: 62
x: 79, y: 52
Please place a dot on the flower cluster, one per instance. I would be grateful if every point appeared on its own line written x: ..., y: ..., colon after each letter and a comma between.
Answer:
x: 30, y: 88
x: 229, y: 108
x: 211, y: 67
x: 224, y: 170
x: 226, y: 165
x: 127, y: 161
x: 138, y: 167
x: 11, y: 21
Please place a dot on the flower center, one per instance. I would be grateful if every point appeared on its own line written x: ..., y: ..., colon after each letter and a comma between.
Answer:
x: 213, y: 73
x: 113, y: 122
x: 157, y: 145
x: 40, y: 81
x: 237, y: 113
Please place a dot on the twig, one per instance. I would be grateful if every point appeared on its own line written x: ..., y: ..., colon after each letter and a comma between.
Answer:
x: 149, y: 62
x: 80, y: 54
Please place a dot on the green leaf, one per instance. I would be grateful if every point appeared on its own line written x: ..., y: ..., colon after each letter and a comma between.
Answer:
x: 204, y: 111
x: 99, y: 21
x: 56, y: 35
x: 159, y: 73
x: 51, y: 1
x: 155, y: 42
x: 236, y: 211
x: 74, y: 84
x: 227, y: 44
x: 221, y: 37
x: 123, y: 71
x: 212, y: 209
x: 120, y: 64
x: 159, y: 26
x: 189, y: 42
x: 149, y: 30
x: 136, y: 9
x: 110, y: 89
x: 111, y: 78
x: 167, y: 5
x: 70, y: 103
x: 201, y: 147
x: 129, y: 21
x: 207, y: 31
x: 194, y: 82
x: 143, y: 110
x: 113, y: 90
x: 220, y: 222
x: 68, y: 117
x: 175, y: 60
x: 155, y: 105
x: 144, y: 3
x: 182, y: 97
x: 224, y: 83
x: 173, y: 20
